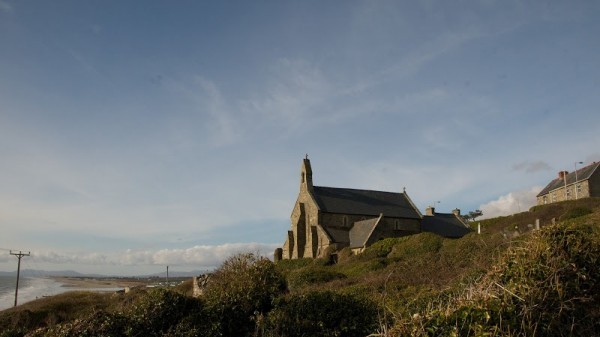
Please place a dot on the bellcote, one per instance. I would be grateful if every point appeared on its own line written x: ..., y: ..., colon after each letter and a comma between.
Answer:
x: 306, y: 182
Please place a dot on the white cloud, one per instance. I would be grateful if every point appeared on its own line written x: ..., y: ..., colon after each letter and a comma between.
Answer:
x: 513, y: 202
x: 204, y: 256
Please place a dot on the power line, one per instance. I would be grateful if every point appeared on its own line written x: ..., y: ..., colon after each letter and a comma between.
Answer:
x: 19, y: 255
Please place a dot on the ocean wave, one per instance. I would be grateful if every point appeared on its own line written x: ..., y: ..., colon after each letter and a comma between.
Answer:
x: 30, y: 288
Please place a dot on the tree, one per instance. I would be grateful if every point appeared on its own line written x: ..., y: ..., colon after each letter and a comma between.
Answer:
x: 472, y: 215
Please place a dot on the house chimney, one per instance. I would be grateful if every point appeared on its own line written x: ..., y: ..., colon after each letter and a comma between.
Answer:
x: 456, y: 211
x: 430, y: 210
x: 562, y: 174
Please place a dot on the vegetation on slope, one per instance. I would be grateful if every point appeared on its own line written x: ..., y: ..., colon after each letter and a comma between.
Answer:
x: 541, y: 283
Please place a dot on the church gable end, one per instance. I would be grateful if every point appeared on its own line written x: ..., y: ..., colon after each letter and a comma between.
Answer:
x: 325, y: 219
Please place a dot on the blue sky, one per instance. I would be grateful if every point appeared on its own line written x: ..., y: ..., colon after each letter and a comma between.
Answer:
x: 139, y: 134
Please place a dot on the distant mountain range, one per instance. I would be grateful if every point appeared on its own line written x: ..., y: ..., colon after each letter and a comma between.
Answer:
x: 72, y: 273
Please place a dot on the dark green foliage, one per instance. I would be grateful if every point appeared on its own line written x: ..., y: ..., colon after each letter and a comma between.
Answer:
x: 575, y: 213
x: 162, y: 311
x: 323, y: 314
x: 410, y: 246
x: 96, y: 324
x: 156, y: 313
x: 312, y: 275
x: 242, y: 290
x: 380, y: 248
x: 286, y: 266
x: 557, y: 280
x: 548, y: 285
x: 53, y: 310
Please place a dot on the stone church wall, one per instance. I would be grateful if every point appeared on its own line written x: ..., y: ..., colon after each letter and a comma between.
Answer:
x: 594, y: 184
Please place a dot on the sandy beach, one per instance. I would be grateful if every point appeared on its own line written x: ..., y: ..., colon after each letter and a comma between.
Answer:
x: 97, y: 283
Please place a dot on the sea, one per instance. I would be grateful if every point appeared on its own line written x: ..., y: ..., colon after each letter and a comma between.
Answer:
x: 30, y: 288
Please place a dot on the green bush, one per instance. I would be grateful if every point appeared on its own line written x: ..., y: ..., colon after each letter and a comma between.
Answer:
x: 312, y: 275
x: 410, y: 246
x: 380, y: 248
x: 288, y: 265
x: 96, y: 324
x: 323, y: 314
x: 575, y: 213
x: 241, y: 291
x: 547, y: 285
x: 157, y: 313
x: 162, y: 311
x: 555, y: 281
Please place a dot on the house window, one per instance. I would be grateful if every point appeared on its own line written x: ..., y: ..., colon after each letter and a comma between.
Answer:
x: 568, y: 193
x: 397, y: 224
x: 545, y: 199
x: 578, y: 188
x: 553, y: 196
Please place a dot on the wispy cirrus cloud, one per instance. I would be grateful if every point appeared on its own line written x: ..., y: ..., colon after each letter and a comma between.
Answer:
x: 295, y: 94
x: 532, y: 167
x: 6, y: 7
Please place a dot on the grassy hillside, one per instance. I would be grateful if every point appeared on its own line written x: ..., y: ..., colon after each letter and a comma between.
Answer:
x: 538, y: 283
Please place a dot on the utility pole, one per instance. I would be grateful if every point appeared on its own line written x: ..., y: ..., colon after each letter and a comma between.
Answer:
x: 19, y: 255
x: 167, y: 276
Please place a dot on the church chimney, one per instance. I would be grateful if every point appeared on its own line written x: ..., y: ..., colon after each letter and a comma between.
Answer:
x: 430, y: 210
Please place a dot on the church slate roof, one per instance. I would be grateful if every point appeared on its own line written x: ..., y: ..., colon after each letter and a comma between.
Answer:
x: 446, y: 225
x: 582, y: 174
x: 361, y: 231
x: 364, y: 202
x: 337, y: 235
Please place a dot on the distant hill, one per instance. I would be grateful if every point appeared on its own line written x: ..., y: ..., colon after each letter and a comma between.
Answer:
x: 42, y: 273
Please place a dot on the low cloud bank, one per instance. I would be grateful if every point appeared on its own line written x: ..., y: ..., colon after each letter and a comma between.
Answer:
x: 194, y: 257
x: 511, y: 203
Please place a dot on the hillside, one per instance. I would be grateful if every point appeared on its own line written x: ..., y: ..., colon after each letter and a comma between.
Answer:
x: 498, y: 283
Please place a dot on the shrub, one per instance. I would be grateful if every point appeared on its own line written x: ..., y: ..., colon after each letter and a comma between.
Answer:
x: 548, y: 285
x: 556, y: 281
x: 380, y: 248
x: 96, y: 324
x: 161, y: 311
x: 410, y: 246
x: 323, y: 314
x: 241, y: 291
x: 575, y: 213
x: 312, y: 275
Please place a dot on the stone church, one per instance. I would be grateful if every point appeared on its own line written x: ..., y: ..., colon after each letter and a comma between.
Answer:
x: 327, y: 219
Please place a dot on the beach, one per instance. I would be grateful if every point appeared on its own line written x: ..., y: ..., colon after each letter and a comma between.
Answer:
x: 31, y: 288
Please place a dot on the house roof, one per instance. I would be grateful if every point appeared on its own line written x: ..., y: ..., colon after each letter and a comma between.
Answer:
x: 443, y: 224
x: 361, y: 231
x: 364, y: 202
x: 583, y: 173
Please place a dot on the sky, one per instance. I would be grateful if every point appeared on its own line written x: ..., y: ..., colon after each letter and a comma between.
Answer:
x: 140, y: 134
